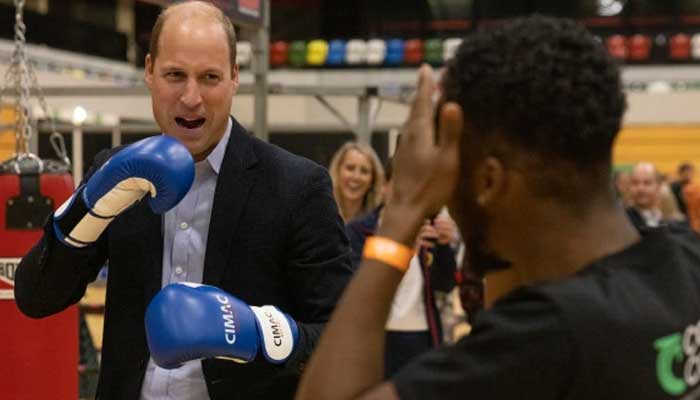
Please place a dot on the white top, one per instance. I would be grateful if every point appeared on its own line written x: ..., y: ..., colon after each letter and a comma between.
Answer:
x: 408, y: 309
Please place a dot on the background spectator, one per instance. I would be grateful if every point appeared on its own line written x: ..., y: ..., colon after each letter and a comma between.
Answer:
x: 358, y: 177
x: 414, y: 324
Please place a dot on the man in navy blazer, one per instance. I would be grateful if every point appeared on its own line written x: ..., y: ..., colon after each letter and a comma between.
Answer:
x: 258, y: 222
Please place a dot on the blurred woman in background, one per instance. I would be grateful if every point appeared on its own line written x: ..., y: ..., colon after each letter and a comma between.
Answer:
x: 358, y: 177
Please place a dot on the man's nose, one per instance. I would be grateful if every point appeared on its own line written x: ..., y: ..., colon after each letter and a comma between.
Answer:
x: 192, y: 96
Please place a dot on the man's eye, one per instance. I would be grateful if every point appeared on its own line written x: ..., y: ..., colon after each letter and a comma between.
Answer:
x: 173, y: 74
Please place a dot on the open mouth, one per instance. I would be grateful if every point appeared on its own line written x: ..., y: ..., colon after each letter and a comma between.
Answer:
x: 190, y: 123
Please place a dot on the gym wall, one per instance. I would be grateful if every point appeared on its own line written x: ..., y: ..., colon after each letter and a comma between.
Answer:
x: 664, y: 145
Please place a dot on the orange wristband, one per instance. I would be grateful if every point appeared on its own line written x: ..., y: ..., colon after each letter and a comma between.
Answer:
x: 388, y: 251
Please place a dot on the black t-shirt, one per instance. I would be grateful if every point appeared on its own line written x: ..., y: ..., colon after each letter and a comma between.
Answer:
x: 625, y: 327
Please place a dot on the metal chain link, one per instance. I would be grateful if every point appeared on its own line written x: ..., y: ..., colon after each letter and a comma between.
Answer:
x: 23, y: 79
x: 24, y: 128
x: 56, y: 139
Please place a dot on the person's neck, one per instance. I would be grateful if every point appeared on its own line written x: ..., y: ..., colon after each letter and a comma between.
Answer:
x: 351, y: 209
x: 203, y: 155
x: 560, y: 243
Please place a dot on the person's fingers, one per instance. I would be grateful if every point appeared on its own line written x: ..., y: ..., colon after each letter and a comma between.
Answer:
x: 426, y: 243
x: 428, y: 235
x: 442, y: 223
x: 446, y: 230
x: 422, y: 106
x: 418, y: 128
x: 430, y: 230
x: 426, y: 225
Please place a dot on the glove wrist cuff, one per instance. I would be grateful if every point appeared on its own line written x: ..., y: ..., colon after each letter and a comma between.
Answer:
x: 278, y: 333
x: 75, y: 225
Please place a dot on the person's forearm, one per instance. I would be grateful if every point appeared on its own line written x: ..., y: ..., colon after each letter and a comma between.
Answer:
x: 46, y: 282
x: 353, y: 341
x: 51, y: 277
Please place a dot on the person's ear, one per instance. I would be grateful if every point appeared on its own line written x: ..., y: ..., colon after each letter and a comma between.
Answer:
x: 148, y: 77
x: 234, y: 77
x: 490, y: 180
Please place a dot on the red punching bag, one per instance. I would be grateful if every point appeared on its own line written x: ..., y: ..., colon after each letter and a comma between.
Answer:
x: 39, y: 356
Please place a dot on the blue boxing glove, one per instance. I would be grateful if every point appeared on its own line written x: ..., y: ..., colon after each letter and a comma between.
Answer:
x: 190, y: 321
x: 159, y: 166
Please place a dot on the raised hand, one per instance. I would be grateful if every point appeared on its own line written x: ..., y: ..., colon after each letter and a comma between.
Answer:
x: 426, y: 163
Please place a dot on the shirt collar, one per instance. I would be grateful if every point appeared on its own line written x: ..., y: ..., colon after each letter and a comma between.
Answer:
x: 216, y: 157
x: 652, y: 216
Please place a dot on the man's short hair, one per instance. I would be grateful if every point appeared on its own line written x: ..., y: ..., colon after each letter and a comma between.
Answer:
x: 542, y: 89
x: 214, y: 12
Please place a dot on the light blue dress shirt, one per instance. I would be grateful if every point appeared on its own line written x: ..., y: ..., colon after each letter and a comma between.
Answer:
x: 185, y: 231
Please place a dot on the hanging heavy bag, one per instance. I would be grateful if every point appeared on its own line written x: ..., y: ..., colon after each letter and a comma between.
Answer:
x: 39, y: 357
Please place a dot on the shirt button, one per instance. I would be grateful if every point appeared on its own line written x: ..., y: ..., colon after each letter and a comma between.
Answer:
x: 178, y: 270
x: 184, y: 225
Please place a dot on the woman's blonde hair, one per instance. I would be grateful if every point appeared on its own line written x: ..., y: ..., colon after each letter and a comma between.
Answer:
x: 373, y: 197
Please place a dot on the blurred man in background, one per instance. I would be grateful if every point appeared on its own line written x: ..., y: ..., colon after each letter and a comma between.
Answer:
x: 686, y: 171
x: 644, y: 210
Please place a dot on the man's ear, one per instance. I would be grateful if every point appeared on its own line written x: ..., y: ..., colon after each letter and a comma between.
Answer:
x: 148, y: 71
x: 234, y: 77
x: 490, y: 180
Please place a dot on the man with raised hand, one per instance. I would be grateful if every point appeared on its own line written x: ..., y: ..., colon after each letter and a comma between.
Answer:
x: 583, y: 306
x: 258, y: 223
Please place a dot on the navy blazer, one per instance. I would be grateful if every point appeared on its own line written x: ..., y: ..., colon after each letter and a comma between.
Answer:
x: 275, y: 237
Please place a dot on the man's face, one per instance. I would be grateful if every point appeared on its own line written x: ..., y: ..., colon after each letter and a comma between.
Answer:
x: 644, y: 188
x: 687, y: 175
x: 192, y: 82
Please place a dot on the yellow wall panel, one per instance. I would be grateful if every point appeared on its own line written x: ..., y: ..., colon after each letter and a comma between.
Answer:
x: 7, y: 136
x: 665, y: 146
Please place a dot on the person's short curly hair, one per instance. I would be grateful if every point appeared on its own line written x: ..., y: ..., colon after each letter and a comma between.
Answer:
x: 545, y: 88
